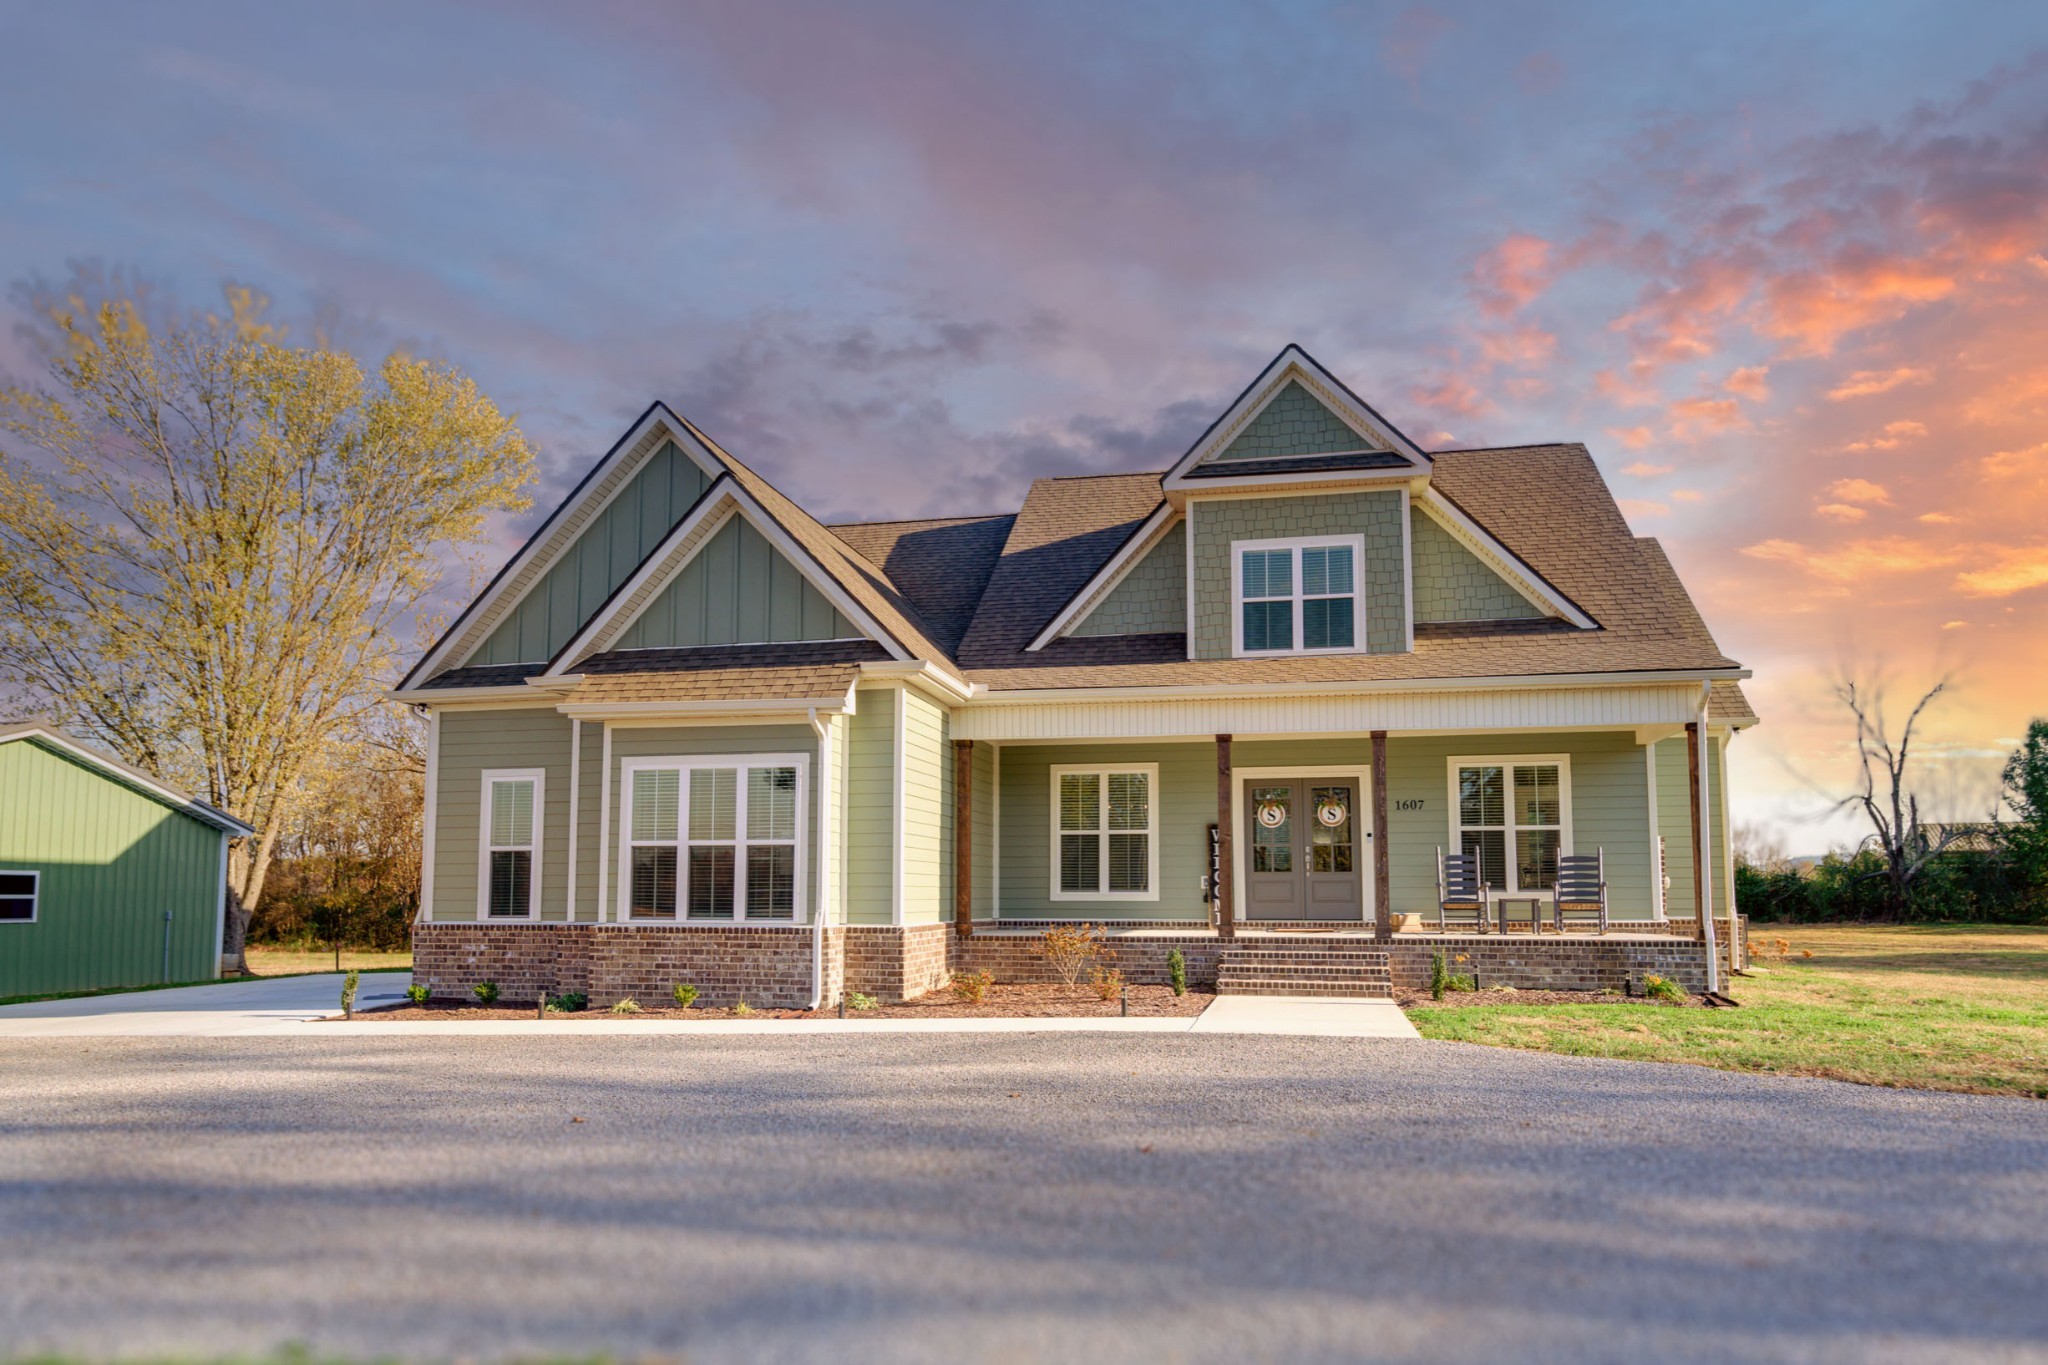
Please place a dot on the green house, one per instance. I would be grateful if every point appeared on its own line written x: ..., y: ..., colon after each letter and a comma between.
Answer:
x: 108, y: 877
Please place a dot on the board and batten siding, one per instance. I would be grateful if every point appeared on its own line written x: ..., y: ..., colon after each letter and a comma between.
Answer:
x: 472, y: 741
x: 701, y: 741
x: 1151, y: 599
x: 600, y: 559
x: 983, y: 893
x: 927, y: 811
x: 1218, y: 522
x: 871, y: 808
x: 112, y: 861
x: 737, y: 589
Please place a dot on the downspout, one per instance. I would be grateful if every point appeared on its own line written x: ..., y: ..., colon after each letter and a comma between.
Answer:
x: 1706, y: 881
x: 820, y: 903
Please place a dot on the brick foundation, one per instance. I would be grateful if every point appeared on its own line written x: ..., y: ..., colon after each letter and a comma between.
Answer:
x: 767, y: 966
x: 897, y: 962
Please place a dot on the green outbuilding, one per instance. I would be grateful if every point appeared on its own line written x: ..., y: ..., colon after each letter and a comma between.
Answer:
x: 108, y: 876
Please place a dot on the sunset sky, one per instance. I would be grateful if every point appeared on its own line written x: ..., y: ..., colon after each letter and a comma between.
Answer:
x: 1782, y: 267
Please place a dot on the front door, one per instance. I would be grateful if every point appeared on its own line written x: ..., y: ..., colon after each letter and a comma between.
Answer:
x: 1303, y: 849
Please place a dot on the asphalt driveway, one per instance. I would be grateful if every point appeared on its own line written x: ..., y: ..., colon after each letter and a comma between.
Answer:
x: 999, y: 1197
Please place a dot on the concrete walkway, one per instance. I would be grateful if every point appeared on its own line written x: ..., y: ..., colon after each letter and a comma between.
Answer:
x: 291, y: 1007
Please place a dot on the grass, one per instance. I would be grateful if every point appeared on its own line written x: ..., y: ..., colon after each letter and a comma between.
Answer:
x: 1931, y: 1007
x: 277, y: 961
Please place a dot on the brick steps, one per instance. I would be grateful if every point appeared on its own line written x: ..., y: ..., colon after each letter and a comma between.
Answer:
x: 1340, y: 971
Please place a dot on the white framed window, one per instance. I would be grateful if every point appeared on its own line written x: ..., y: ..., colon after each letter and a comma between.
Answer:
x: 1515, y: 814
x: 1298, y: 596
x: 714, y: 840
x: 20, y: 892
x: 1105, y: 832
x: 508, y: 862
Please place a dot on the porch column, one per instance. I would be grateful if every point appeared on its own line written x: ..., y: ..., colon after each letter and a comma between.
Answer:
x: 963, y: 837
x: 1382, y: 869
x: 1226, y: 922
x: 1699, y: 855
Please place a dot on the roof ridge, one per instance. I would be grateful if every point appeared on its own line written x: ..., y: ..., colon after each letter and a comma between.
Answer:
x: 1525, y: 445
x: 916, y: 521
x: 1125, y: 474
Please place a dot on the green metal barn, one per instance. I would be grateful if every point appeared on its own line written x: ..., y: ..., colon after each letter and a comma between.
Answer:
x: 108, y: 877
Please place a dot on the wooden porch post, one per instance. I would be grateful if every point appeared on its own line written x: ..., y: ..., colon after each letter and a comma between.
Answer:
x: 1699, y: 857
x: 1226, y: 922
x: 963, y: 837
x: 1382, y: 871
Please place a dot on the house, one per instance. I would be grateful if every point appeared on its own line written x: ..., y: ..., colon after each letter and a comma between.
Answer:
x: 108, y: 876
x: 688, y: 733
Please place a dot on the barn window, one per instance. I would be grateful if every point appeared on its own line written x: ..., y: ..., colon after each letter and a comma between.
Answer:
x: 18, y: 896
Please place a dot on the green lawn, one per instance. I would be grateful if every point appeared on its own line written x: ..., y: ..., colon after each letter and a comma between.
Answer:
x: 301, y: 961
x: 1936, y: 1007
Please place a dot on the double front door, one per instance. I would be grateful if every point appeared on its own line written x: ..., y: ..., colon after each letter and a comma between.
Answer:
x: 1303, y: 849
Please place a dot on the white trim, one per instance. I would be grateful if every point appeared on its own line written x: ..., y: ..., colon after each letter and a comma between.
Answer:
x: 899, y: 800
x: 1034, y: 696
x: 683, y: 764
x: 1657, y: 906
x: 828, y: 857
x: 35, y: 896
x: 604, y: 828
x: 1513, y: 570
x: 575, y: 786
x: 1102, y: 772
x: 536, y: 841
x: 1507, y: 763
x: 1704, y: 875
x: 1155, y: 528
x: 1407, y: 569
x: 1727, y: 829
x: 1188, y: 519
x: 1291, y: 364
x: 711, y: 514
x: 429, y: 819
x: 780, y: 707
x: 1363, y: 775
x: 1294, y: 545
x: 657, y: 415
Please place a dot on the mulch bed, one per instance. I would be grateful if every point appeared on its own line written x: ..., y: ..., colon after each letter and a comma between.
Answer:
x: 1001, y: 1002
x: 1419, y: 1000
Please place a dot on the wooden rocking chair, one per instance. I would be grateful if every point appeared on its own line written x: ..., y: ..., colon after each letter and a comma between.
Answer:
x: 1460, y: 891
x: 1581, y: 889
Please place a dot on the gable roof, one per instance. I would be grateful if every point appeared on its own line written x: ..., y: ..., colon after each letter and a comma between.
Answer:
x: 127, y: 774
x: 1546, y: 504
x: 941, y: 564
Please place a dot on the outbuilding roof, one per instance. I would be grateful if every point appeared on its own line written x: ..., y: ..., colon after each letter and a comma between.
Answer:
x: 62, y: 742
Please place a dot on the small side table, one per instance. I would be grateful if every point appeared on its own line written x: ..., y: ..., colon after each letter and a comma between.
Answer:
x: 1535, y: 904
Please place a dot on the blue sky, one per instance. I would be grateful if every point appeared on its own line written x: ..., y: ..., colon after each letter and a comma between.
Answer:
x: 905, y: 257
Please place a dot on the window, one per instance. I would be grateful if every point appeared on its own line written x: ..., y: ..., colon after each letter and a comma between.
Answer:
x: 1104, y: 828
x: 1512, y: 814
x: 1298, y: 596
x: 719, y: 838
x: 509, y: 879
x: 18, y: 896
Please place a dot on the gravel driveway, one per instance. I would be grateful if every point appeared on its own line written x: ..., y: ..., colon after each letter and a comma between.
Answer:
x: 1000, y: 1197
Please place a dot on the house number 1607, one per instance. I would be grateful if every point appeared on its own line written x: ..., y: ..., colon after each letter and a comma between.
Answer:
x: 1415, y: 804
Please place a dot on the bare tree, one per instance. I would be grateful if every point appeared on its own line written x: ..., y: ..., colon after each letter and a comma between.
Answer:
x: 1898, y: 834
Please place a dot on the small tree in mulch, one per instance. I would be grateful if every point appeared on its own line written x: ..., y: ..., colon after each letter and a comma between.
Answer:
x: 1069, y: 950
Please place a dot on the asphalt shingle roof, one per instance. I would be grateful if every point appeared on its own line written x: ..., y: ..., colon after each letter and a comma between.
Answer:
x: 941, y: 564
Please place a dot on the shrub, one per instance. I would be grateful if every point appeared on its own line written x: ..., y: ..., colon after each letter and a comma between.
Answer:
x: 348, y: 993
x: 1662, y: 988
x: 486, y: 992
x: 742, y: 1008
x: 627, y: 1006
x: 1069, y: 950
x: 1177, y: 972
x: 685, y: 994
x: 1460, y: 983
x: 855, y: 1000
x: 1439, y: 975
x: 971, y: 987
x: 569, y: 1002
x: 417, y: 994
x: 1106, y: 982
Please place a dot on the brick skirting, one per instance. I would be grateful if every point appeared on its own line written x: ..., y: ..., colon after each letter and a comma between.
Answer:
x: 767, y: 966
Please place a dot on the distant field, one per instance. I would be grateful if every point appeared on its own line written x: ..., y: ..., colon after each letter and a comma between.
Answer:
x: 292, y: 961
x: 1934, y: 1007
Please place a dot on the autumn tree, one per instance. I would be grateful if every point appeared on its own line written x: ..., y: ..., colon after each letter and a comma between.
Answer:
x: 211, y: 539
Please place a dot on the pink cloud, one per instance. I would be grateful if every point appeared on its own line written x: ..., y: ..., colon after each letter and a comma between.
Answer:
x: 1749, y: 382
x: 1895, y: 435
x: 1513, y: 275
x: 1864, y: 383
x: 1632, y: 438
x: 1643, y: 469
x: 1860, y: 491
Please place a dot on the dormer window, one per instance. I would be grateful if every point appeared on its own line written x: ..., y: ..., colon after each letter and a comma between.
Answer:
x: 1298, y: 596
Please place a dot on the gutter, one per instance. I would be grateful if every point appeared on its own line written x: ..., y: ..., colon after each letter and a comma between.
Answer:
x: 818, y: 907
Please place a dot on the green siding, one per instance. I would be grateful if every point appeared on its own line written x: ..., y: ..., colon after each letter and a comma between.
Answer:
x: 1152, y: 599
x: 600, y: 559
x: 984, y: 772
x: 1674, y: 819
x: 113, y: 861
x: 1375, y: 515
x: 1453, y: 584
x: 589, y: 817
x: 690, y: 741
x: 737, y: 590
x: 927, y: 812
x: 1295, y: 423
x: 871, y: 805
x: 472, y: 741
